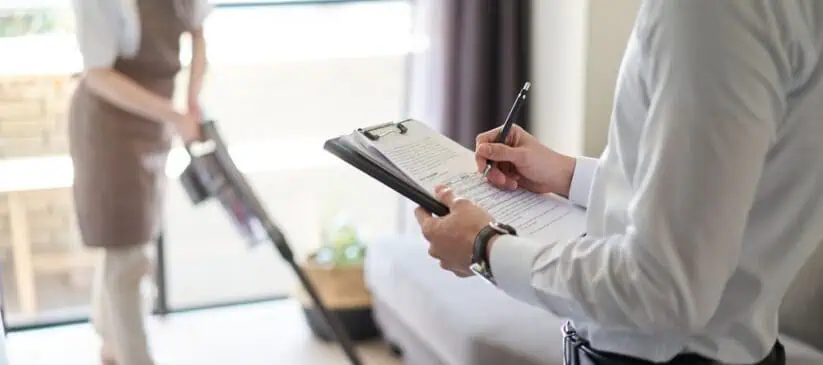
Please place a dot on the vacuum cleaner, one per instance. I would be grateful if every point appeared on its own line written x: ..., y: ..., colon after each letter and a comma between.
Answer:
x: 212, y: 174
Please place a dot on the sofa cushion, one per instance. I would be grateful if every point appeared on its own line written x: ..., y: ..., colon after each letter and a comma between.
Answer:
x: 466, y: 321
x: 463, y: 321
x: 801, y: 314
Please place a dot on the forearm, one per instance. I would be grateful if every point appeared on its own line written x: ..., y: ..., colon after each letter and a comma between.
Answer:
x: 199, y: 63
x: 119, y: 90
x: 612, y: 281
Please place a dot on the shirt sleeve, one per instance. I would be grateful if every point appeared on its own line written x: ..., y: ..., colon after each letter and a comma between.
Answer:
x: 715, y: 86
x: 4, y: 358
x: 98, y: 31
x: 200, y: 11
x: 581, y: 184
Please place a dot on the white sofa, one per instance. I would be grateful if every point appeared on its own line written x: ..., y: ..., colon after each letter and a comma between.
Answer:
x: 435, y: 318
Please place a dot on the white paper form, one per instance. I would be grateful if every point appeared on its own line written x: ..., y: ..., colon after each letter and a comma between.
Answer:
x: 431, y: 159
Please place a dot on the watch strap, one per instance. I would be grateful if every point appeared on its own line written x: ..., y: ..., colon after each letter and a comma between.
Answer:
x: 481, y: 243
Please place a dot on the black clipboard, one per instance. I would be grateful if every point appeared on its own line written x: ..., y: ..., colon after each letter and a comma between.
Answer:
x: 351, y: 155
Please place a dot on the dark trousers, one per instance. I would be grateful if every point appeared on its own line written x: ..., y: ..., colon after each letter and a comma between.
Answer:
x: 576, y: 351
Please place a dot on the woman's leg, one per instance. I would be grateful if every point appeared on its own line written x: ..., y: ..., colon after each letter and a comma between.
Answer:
x: 100, y: 312
x: 119, y: 306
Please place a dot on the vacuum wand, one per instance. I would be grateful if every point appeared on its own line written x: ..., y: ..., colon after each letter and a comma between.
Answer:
x: 337, y: 328
x: 212, y: 174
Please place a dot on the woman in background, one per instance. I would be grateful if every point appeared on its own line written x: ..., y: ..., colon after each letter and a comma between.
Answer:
x: 120, y: 128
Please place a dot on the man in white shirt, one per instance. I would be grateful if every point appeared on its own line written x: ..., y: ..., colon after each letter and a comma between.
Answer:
x: 704, y: 205
x: 4, y: 358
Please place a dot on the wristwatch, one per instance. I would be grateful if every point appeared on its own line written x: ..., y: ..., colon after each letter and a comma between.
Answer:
x: 480, y: 259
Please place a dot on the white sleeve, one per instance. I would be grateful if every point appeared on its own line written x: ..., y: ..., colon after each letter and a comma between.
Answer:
x: 4, y: 357
x: 98, y: 32
x: 581, y: 184
x: 716, y: 91
x: 200, y: 11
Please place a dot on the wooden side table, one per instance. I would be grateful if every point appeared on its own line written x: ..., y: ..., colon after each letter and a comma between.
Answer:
x: 50, y: 174
x: 344, y: 293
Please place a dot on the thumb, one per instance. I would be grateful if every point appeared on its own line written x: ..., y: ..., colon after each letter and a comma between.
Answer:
x: 501, y: 152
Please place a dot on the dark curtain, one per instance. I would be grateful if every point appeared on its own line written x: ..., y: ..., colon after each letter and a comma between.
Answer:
x: 469, y: 60
x: 476, y: 61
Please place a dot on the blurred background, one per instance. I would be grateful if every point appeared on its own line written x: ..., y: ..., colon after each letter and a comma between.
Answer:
x: 284, y: 76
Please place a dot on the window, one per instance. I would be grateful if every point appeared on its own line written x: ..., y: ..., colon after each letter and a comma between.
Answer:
x: 44, y: 268
x: 282, y: 79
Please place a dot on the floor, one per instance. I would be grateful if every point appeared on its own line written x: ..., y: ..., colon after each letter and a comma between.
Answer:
x: 267, y: 333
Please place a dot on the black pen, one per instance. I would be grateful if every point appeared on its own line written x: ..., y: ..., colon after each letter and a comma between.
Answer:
x: 507, y: 125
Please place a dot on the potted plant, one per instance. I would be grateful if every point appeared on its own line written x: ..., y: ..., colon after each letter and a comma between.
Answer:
x: 336, y: 269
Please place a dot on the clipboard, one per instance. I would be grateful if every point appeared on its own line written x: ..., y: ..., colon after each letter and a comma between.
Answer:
x: 355, y: 157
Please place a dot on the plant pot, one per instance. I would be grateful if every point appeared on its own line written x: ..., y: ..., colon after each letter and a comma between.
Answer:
x: 343, y: 291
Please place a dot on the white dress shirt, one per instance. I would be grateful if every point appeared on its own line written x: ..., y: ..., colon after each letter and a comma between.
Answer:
x: 708, y: 198
x: 108, y: 29
x: 4, y: 357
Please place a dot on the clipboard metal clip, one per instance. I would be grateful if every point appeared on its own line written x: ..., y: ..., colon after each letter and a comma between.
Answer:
x: 372, y: 134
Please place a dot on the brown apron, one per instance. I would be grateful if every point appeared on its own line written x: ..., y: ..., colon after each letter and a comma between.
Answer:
x: 119, y: 158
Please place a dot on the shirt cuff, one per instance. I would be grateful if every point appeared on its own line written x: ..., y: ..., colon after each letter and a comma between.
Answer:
x: 511, y: 260
x: 581, y: 183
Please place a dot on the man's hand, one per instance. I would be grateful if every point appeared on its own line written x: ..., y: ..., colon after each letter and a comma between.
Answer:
x: 451, y: 238
x: 524, y: 162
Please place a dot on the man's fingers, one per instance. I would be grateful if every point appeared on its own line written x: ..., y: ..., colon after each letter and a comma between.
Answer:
x: 487, y: 136
x: 444, y: 194
x: 447, y: 196
x: 499, y: 152
x: 483, y: 139
x: 423, y: 216
x: 491, y: 135
x: 505, y: 183
x: 512, y: 177
x: 499, y: 179
x: 496, y: 177
x: 490, y: 138
x: 481, y: 163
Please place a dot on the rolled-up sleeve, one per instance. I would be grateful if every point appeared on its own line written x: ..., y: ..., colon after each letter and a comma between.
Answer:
x: 98, y: 32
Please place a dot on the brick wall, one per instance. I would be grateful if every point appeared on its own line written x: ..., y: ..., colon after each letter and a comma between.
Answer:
x: 50, y: 215
x: 33, y: 113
